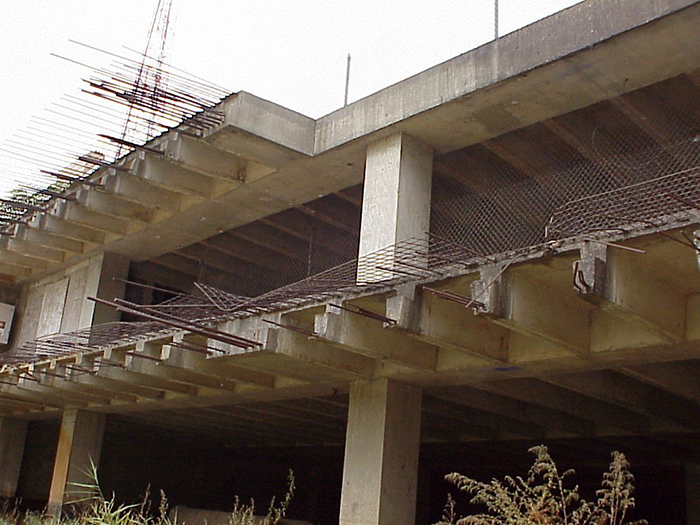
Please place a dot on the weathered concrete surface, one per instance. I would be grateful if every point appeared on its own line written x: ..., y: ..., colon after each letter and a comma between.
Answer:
x: 590, y: 52
x: 381, y: 454
x: 396, y: 202
x: 110, y: 285
x: 79, y: 446
x: 58, y: 302
x: 13, y: 433
x: 550, y: 67
x: 265, y: 120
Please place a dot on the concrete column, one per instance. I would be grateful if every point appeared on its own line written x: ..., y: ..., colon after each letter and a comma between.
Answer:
x: 13, y: 433
x: 79, y: 446
x: 113, y: 266
x: 692, y: 494
x: 396, y: 199
x: 381, y: 454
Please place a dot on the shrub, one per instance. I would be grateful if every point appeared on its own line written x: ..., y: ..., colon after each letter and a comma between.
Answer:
x: 542, y: 498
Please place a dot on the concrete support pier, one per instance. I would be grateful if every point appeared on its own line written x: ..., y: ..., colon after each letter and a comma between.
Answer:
x: 396, y: 199
x: 13, y: 433
x: 381, y: 454
x: 115, y: 268
x: 79, y: 446
x: 692, y: 494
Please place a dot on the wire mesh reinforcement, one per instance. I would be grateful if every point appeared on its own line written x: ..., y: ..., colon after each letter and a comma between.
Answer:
x: 650, y: 203
x: 576, y: 171
x: 85, y: 340
x: 413, y: 259
x: 534, y: 185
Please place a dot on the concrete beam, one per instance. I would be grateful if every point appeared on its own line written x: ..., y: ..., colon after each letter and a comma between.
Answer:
x: 114, y: 206
x: 79, y: 447
x: 119, y: 385
x: 175, y: 177
x: 676, y: 378
x: 320, y: 353
x: 487, y: 399
x: 201, y: 157
x: 130, y: 376
x: 264, y: 132
x: 69, y: 398
x: 604, y: 415
x: 447, y: 324
x: 520, y: 79
x: 614, y: 282
x: 12, y: 406
x: 30, y: 249
x: 75, y: 386
x: 142, y: 192
x: 24, y: 261
x: 94, y: 220
x: 13, y: 433
x: 633, y: 395
x: 50, y: 240
x: 366, y: 336
x: 514, y: 301
x: 380, y: 471
x: 194, y: 359
x: 464, y: 418
x: 70, y: 230
x: 14, y: 270
x: 39, y: 399
x: 291, y: 355
x: 653, y: 127
x: 154, y: 363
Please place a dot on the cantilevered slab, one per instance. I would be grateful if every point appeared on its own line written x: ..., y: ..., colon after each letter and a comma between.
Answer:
x: 266, y: 158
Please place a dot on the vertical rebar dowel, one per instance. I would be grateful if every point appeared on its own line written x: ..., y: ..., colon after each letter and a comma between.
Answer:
x: 347, y: 81
x: 495, y: 19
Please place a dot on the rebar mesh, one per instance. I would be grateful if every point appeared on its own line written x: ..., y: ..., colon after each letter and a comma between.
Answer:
x: 646, y: 204
x: 84, y: 340
x: 624, y: 158
x: 605, y: 167
x: 410, y: 260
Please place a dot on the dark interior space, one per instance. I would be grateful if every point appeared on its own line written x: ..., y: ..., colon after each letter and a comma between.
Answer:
x: 211, y: 478
x: 202, y: 474
x: 264, y: 255
x: 37, y: 463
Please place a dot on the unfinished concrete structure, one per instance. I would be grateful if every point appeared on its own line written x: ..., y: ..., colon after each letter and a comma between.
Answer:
x: 524, y: 216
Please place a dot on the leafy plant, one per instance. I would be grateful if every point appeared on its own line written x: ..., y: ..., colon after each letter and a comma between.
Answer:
x: 544, y: 498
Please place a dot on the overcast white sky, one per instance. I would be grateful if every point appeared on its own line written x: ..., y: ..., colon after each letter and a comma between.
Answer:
x: 290, y: 52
